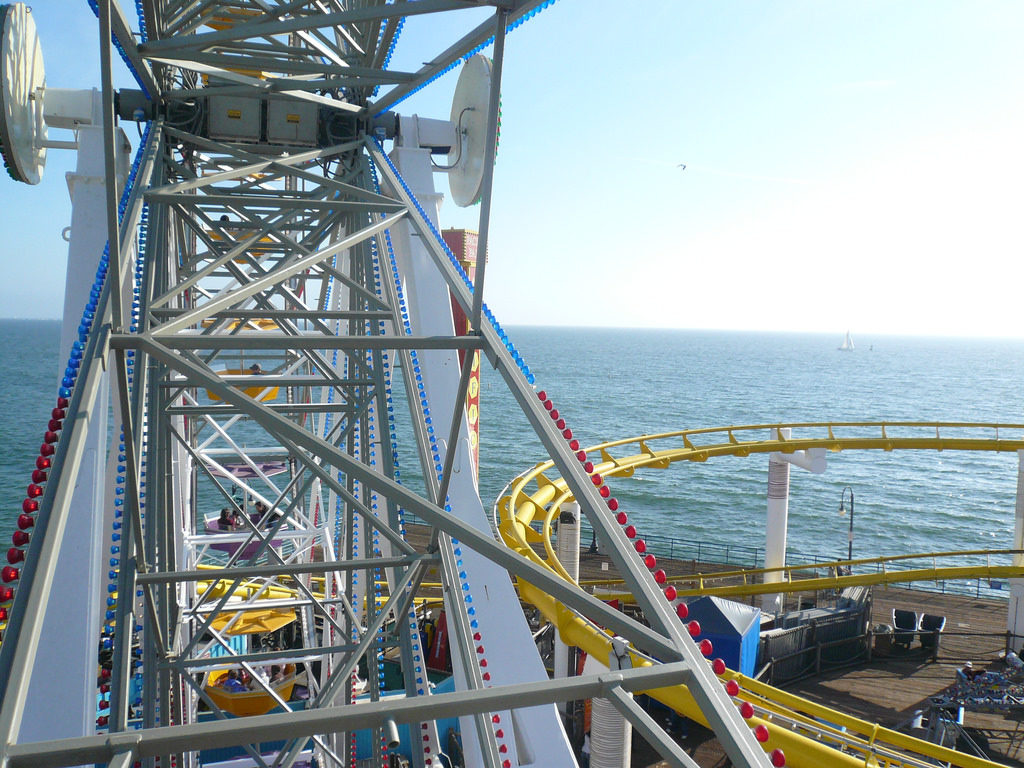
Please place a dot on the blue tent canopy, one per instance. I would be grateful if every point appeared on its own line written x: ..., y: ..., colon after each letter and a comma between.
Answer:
x: 734, y: 630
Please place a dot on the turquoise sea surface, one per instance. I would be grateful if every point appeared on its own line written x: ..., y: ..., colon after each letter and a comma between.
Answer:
x: 618, y: 383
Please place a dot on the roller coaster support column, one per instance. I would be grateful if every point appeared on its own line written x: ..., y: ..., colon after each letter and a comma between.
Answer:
x: 569, y: 557
x: 778, y: 509
x: 64, y: 676
x: 775, y: 527
x: 1015, y: 609
x: 611, y: 734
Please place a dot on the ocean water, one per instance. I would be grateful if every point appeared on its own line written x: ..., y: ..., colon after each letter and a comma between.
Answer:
x: 617, y: 383
x: 28, y: 389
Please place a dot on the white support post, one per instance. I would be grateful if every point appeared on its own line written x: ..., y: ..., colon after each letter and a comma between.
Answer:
x: 776, y: 524
x: 611, y: 734
x: 1015, y: 608
x: 64, y: 677
x: 568, y: 551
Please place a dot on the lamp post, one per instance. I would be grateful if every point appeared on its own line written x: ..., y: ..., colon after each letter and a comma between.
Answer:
x: 842, y: 511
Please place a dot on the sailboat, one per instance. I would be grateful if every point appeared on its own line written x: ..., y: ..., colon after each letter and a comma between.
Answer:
x: 847, y: 345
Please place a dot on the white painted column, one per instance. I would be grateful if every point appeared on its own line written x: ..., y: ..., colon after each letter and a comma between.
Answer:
x: 1015, y: 608
x: 64, y: 676
x: 611, y: 734
x: 776, y: 524
x: 568, y: 552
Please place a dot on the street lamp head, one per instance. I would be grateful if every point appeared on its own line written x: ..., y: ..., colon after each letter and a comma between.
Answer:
x: 842, y: 500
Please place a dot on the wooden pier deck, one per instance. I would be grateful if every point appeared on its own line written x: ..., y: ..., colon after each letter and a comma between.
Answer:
x: 890, y: 690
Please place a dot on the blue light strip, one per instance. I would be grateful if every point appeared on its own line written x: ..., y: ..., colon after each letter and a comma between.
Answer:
x: 669, y: 592
x: 71, y: 371
x: 419, y: 651
x: 117, y: 45
x: 518, y: 358
x: 391, y: 48
x: 140, y: 11
x: 106, y: 635
x: 464, y: 583
x: 490, y: 40
x: 89, y: 313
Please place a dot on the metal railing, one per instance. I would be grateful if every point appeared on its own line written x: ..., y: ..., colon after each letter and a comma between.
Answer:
x: 709, y: 552
x: 746, y: 556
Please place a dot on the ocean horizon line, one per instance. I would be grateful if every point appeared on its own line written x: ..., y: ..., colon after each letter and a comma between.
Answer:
x: 865, y: 337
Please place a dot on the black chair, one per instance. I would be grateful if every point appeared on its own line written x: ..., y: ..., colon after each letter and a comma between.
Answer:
x: 930, y: 628
x: 906, y: 625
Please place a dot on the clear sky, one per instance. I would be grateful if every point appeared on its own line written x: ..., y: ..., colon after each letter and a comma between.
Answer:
x: 847, y: 165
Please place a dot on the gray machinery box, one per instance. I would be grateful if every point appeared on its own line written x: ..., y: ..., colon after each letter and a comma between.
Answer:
x: 292, y: 122
x: 235, y: 118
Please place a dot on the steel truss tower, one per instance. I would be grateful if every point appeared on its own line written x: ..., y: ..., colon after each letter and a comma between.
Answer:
x: 269, y: 269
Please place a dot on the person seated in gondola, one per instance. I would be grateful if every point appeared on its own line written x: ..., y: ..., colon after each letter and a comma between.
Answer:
x: 231, y: 683
x: 261, y: 513
x: 226, y: 521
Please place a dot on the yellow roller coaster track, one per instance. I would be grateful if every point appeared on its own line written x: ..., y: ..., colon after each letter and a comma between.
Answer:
x: 795, y: 723
x: 795, y: 578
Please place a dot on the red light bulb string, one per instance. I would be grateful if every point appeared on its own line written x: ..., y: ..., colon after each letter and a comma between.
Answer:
x: 669, y: 592
x: 10, y: 575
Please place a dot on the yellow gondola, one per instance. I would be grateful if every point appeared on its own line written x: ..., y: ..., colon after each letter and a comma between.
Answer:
x: 252, y: 324
x: 260, y: 393
x: 226, y: 18
x: 263, y: 245
x: 253, y: 621
x: 248, y: 703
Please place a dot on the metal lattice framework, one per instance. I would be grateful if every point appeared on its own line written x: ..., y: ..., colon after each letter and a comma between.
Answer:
x: 251, y: 322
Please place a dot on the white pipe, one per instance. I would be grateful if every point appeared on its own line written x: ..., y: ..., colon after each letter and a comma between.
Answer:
x: 611, y: 734
x: 776, y: 524
x: 64, y: 677
x: 1015, y: 608
x: 568, y: 552
x: 813, y: 460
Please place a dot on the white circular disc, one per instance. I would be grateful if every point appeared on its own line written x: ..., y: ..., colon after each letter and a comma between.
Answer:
x: 469, y: 116
x: 22, y: 78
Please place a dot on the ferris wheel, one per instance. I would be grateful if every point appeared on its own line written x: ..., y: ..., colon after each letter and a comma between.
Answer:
x: 263, y: 291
